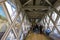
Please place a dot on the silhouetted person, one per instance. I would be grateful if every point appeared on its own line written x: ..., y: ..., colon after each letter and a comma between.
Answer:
x: 41, y: 27
x: 36, y: 28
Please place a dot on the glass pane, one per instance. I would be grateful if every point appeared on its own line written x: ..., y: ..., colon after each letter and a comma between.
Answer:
x: 51, y: 25
x: 54, y: 16
x: 49, y: 14
x: 11, y: 36
x: 27, y: 26
x: 47, y: 19
x: 46, y: 25
x: 37, y: 20
x: 58, y: 22
x: 44, y: 21
x: 11, y: 9
x: 55, y: 31
x: 18, y: 23
x: 58, y: 27
x: 55, y: 35
x: 21, y: 16
x: 3, y: 22
x: 19, y: 20
x: 41, y: 22
x: 21, y: 32
x: 21, y: 36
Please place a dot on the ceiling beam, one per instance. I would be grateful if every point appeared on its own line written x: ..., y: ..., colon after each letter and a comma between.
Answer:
x: 35, y: 17
x: 34, y: 2
x: 57, y: 3
x: 36, y: 12
x: 27, y: 2
x: 35, y: 7
x: 2, y: 1
x: 39, y: 16
x: 38, y: 2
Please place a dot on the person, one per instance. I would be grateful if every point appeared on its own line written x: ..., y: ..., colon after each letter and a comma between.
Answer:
x: 36, y: 28
x: 48, y: 31
x: 41, y: 27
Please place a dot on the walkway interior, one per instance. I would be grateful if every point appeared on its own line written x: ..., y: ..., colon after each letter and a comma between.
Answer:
x: 18, y: 16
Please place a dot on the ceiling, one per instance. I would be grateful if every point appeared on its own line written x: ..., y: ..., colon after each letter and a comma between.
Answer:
x: 36, y: 8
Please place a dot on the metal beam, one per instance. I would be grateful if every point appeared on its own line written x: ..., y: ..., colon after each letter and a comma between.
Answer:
x: 52, y: 29
x: 11, y: 26
x: 54, y: 24
x: 57, y: 18
x: 34, y: 2
x: 57, y: 3
x: 54, y: 9
x: 38, y: 2
x: 48, y: 24
x: 6, y: 12
x: 27, y: 2
x: 1, y: 1
x: 36, y: 7
x: 9, y: 19
x: 43, y: 17
x: 35, y: 14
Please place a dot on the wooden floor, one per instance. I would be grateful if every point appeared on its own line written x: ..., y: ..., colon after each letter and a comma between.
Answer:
x: 35, y: 36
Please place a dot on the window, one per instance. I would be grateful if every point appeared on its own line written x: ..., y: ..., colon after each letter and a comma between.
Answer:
x: 18, y: 22
x: 41, y: 22
x: 2, y: 12
x: 47, y: 19
x: 58, y: 22
x: 3, y: 22
x: 51, y: 25
x: 11, y: 36
x: 44, y: 20
x: 11, y: 9
x: 46, y: 25
x: 55, y: 31
x: 54, y: 16
x: 21, y: 16
x: 58, y: 27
